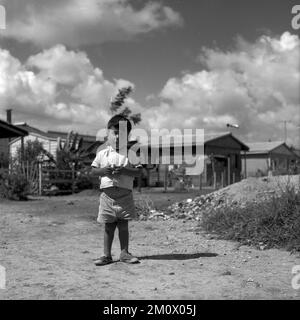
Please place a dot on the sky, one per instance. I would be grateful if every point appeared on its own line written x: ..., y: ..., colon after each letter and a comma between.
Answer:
x: 192, y: 64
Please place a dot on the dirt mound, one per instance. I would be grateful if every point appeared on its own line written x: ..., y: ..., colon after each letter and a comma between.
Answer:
x: 251, y: 190
x: 258, y: 189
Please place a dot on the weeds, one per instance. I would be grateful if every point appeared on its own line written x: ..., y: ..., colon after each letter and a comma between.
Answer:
x: 274, y: 223
x: 144, y: 205
x: 13, y: 186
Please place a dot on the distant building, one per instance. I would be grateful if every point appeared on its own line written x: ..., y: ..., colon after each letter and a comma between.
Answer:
x: 297, y: 152
x: 7, y: 132
x: 222, y: 162
x: 49, y: 139
x: 263, y: 157
x: 49, y: 142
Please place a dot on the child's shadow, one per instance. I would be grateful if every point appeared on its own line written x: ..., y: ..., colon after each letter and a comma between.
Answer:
x: 179, y: 256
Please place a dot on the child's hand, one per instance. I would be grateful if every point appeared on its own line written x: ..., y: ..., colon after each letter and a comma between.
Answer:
x: 117, y: 170
x: 107, y: 171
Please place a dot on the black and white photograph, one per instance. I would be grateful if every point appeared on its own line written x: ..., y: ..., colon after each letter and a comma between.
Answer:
x: 149, y: 150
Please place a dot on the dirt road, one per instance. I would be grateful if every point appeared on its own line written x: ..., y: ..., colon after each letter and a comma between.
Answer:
x: 47, y: 247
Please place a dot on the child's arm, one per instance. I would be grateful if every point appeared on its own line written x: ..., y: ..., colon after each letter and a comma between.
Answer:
x: 102, y: 172
x: 128, y: 171
x: 132, y: 172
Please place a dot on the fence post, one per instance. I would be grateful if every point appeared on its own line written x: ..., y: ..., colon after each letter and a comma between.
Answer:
x: 215, y: 179
x: 166, y: 178
x: 222, y: 179
x: 229, y: 170
x: 200, y: 181
x: 40, y: 178
x: 73, y: 177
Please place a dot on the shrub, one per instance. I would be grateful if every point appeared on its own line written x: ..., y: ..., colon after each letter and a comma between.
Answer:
x: 84, y: 182
x: 4, y: 160
x: 274, y: 223
x: 13, y: 186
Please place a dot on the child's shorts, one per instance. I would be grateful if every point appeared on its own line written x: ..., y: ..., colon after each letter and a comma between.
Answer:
x: 116, y: 204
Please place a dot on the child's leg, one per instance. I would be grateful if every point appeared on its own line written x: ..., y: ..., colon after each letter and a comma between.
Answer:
x: 125, y: 256
x: 123, y: 234
x: 109, y: 237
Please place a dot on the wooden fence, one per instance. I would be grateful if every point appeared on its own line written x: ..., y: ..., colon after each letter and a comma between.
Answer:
x: 45, y: 180
x: 64, y: 180
x: 27, y: 170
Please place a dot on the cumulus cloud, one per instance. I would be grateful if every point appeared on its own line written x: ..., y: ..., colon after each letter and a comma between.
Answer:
x: 59, y: 88
x: 80, y: 22
x: 255, y: 85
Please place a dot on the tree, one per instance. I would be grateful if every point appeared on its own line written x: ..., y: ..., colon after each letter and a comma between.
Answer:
x: 32, y: 150
x: 118, y: 102
x: 69, y: 152
x: 72, y: 152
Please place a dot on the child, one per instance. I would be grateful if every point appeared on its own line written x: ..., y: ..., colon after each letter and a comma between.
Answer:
x: 116, y: 200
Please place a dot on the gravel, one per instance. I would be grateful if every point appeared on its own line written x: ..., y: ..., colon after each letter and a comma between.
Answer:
x: 247, y: 191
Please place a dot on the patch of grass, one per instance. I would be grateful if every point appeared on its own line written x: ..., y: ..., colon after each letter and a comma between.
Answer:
x: 274, y: 223
x: 143, y: 205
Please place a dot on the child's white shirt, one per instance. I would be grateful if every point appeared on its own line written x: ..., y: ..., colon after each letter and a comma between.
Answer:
x: 108, y: 157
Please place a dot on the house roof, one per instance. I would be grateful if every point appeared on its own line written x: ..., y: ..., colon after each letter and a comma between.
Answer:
x: 8, y: 130
x: 214, y: 135
x: 30, y: 129
x: 52, y: 135
x: 297, y: 152
x: 208, y: 138
x: 264, y: 147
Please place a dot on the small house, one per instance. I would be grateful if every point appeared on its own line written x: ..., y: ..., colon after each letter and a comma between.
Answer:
x: 270, y: 156
x: 222, y: 162
x: 49, y: 139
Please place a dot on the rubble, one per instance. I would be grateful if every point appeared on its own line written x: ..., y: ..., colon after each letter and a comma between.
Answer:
x: 251, y: 190
x: 239, y: 195
x: 153, y: 215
